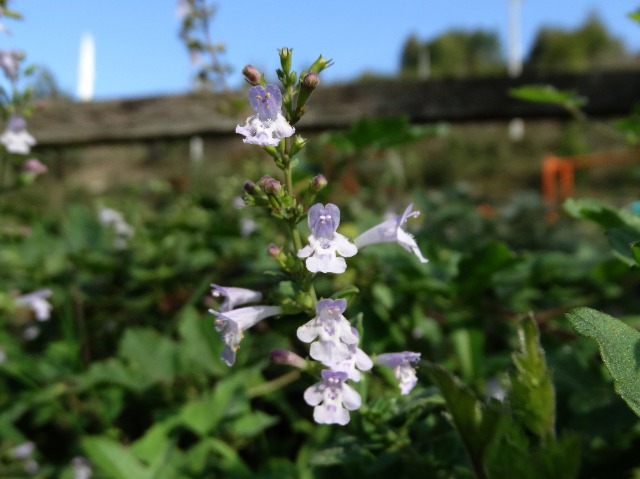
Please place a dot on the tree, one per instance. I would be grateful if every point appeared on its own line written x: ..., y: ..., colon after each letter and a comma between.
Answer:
x: 590, y: 46
x: 455, y: 53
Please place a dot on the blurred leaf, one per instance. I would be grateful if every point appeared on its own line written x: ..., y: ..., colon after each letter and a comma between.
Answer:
x: 198, y: 336
x: 469, y: 345
x: 635, y: 16
x: 113, y: 459
x: 477, y: 423
x: 149, y: 354
x: 532, y: 396
x: 252, y: 424
x: 548, y: 94
x: 619, y: 347
x: 621, y: 227
x: 382, y: 133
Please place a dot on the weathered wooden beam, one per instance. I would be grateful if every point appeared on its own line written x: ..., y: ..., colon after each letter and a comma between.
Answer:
x: 337, y: 106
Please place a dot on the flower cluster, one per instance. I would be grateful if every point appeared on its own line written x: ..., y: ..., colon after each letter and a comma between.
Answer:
x: 335, y: 356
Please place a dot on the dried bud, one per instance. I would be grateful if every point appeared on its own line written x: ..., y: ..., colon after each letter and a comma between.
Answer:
x: 310, y: 81
x: 282, y: 356
x: 252, y: 75
x: 318, y: 183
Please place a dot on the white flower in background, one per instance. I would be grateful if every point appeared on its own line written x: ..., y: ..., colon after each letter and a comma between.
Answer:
x: 332, y: 398
x: 10, y: 62
x: 232, y: 324
x: 16, y: 138
x: 38, y: 303
x: 324, y: 242
x: 114, y: 219
x: 402, y: 366
x: 81, y: 468
x: 391, y: 231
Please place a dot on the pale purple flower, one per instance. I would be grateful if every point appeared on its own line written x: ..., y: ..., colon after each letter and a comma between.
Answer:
x: 23, y: 451
x: 332, y: 398
x: 34, y: 166
x: 332, y: 331
x: 402, y: 366
x: 231, y: 325
x: 38, y: 303
x: 391, y: 231
x: 325, y: 242
x: 10, y: 61
x: 284, y: 356
x: 234, y: 297
x: 15, y: 137
x: 267, y: 127
x: 356, y: 362
x: 114, y: 219
x: 81, y: 468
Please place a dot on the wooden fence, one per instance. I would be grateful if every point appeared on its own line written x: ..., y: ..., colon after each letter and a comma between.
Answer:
x: 609, y: 94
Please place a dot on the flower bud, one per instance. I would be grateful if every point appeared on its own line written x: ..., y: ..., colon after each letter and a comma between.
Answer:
x: 310, y: 81
x: 264, y: 180
x: 273, y: 187
x: 249, y: 187
x: 252, y: 75
x: 318, y: 183
x: 282, y: 356
x: 286, y: 55
x: 320, y: 64
x: 273, y: 250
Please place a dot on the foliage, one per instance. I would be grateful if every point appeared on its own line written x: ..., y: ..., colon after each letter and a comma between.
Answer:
x: 590, y: 46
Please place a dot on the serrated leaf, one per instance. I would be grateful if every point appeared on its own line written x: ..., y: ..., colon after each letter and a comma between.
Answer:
x: 620, y: 349
x: 150, y: 355
x: 532, y: 395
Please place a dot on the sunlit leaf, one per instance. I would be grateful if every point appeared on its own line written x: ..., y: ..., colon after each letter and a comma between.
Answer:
x: 619, y: 347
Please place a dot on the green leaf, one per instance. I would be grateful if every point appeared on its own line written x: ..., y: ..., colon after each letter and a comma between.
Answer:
x: 477, y: 423
x: 619, y: 347
x: 113, y: 459
x: 547, y: 94
x: 635, y: 16
x: 150, y: 355
x: 532, y: 395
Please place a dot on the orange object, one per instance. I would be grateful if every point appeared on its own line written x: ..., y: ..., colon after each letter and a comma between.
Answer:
x: 558, y: 172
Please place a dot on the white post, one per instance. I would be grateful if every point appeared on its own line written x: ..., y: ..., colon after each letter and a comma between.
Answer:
x: 86, y: 68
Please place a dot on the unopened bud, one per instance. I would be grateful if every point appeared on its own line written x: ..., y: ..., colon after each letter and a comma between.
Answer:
x: 252, y: 75
x: 273, y: 187
x: 273, y: 251
x: 320, y: 64
x: 318, y: 183
x: 282, y: 356
x: 286, y: 55
x: 249, y: 187
x: 311, y: 81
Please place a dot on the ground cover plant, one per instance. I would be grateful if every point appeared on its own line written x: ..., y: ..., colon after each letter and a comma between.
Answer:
x: 284, y: 325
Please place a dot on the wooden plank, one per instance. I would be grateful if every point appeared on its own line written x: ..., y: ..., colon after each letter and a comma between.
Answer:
x: 610, y: 94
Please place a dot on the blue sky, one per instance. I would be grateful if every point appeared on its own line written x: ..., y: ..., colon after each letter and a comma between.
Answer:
x: 138, y: 52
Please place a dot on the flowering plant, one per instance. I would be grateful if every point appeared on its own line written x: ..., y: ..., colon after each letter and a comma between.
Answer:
x: 334, y: 341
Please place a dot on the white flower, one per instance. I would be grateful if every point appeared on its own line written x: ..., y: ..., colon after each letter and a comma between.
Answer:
x: 402, y: 366
x: 231, y: 325
x: 37, y: 302
x: 391, y: 231
x: 16, y: 138
x: 234, y: 297
x: 332, y: 330
x: 324, y: 242
x: 267, y: 127
x: 114, y: 219
x: 332, y: 398
x: 356, y: 362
